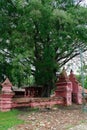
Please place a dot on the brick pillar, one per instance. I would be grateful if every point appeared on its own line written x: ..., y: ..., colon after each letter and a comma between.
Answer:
x: 6, y: 96
x: 64, y: 87
x: 76, y: 89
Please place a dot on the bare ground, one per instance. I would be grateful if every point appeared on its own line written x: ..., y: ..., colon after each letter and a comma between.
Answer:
x: 59, y: 118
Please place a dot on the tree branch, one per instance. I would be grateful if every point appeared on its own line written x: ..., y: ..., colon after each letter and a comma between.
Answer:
x: 79, y: 2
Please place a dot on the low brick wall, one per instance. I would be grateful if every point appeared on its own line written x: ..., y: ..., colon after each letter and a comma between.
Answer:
x: 37, y: 102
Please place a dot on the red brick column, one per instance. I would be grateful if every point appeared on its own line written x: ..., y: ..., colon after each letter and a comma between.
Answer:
x: 64, y: 88
x: 76, y: 89
x: 6, y: 96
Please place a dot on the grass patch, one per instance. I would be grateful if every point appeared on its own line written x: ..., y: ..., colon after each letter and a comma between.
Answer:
x: 27, y: 110
x: 9, y: 119
x: 69, y: 126
x: 83, y: 121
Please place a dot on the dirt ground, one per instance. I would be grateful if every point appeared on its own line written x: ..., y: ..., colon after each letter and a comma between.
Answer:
x: 59, y: 118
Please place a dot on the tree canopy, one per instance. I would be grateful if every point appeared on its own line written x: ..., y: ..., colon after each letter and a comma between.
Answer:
x: 37, y: 37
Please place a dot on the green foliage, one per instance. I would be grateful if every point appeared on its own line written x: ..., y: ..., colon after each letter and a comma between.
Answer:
x: 85, y: 82
x: 80, y: 80
x: 37, y: 37
x: 45, y: 68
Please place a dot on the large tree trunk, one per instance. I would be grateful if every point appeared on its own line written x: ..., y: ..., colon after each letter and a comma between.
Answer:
x: 46, y: 91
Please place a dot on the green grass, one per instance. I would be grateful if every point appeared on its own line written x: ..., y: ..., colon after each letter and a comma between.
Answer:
x: 9, y: 119
x: 83, y: 121
x: 69, y: 126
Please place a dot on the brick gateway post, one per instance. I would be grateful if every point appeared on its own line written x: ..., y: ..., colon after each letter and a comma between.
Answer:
x: 76, y: 89
x: 64, y: 88
x: 6, y: 96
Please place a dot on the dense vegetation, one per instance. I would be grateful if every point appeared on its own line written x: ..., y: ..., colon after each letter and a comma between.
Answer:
x: 37, y: 37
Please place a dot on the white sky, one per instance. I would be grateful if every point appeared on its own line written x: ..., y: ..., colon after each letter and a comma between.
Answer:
x: 75, y: 63
x: 84, y: 2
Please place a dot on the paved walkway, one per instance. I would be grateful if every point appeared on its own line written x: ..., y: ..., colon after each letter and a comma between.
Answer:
x: 79, y: 127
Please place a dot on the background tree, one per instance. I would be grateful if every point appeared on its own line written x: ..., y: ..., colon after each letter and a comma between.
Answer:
x: 39, y: 37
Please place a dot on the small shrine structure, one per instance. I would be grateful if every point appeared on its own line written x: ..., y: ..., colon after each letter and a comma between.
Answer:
x: 76, y: 89
x: 64, y: 87
x: 6, y: 96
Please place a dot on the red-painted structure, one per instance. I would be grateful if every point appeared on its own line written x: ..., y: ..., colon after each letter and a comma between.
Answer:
x: 6, y: 96
x: 68, y: 90
x: 9, y: 99
x: 33, y: 91
x: 76, y: 89
x: 37, y: 102
x: 64, y: 88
